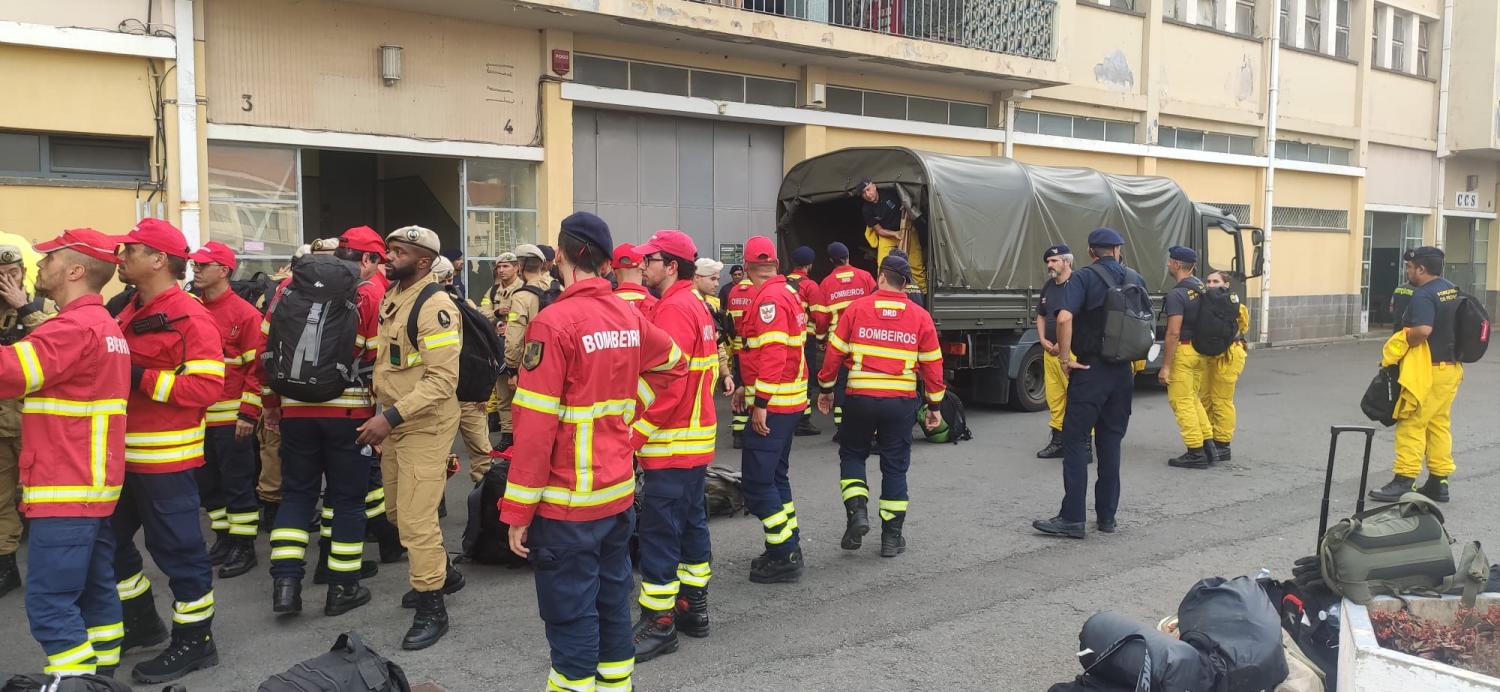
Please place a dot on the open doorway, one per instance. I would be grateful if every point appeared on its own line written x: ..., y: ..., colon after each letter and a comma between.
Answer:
x: 342, y: 189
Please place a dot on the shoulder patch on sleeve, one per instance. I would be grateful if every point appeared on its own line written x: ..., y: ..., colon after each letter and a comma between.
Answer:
x: 444, y: 319
x: 768, y: 313
x: 532, y: 355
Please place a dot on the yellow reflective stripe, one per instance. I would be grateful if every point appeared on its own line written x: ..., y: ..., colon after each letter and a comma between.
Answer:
x: 672, y: 358
x: 82, y: 652
x: 893, y: 505
x: 873, y: 381
x: 617, y: 669
x: 936, y: 397
x: 901, y: 354
x: 818, y: 308
x: 696, y: 574
x: 630, y: 295
x: 789, y: 400
x: 65, y: 407
x: 765, y: 387
x: 704, y: 362
x: 783, y: 338
x: 692, y: 433
x: 837, y: 343
x: 31, y: 367
x: 352, y: 397
x: 441, y: 339
x: 644, y: 392
x: 930, y: 356
x: 106, y: 632
x: 42, y: 494
x: 670, y: 449
x: 225, y: 405
x: 133, y: 586
x: 890, y: 304
x: 583, y: 457
x: 556, y: 681
x: 521, y: 494
x: 298, y: 535
x: 554, y: 495
x: 536, y: 401
x: 163, y: 388
x: 203, y: 367
x: 161, y: 438
x: 163, y: 455
x: 265, y: 326
x: 644, y: 427
x: 289, y: 552
x: 414, y: 358
x: 207, y: 601
x: 602, y: 409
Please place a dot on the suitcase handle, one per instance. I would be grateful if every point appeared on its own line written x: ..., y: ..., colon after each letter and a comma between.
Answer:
x: 1333, y: 444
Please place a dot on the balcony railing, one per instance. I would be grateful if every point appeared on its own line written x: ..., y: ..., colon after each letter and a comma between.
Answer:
x: 1013, y: 27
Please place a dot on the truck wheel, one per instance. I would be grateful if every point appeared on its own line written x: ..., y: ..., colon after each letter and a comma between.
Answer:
x: 1028, y: 391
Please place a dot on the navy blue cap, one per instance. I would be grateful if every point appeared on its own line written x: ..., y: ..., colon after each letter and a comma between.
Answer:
x: 1182, y: 254
x: 451, y: 254
x: 899, y: 253
x: 1105, y: 237
x: 586, y: 227
x: 1426, y: 251
x: 803, y: 256
x: 838, y: 250
x: 897, y: 264
x: 1055, y: 250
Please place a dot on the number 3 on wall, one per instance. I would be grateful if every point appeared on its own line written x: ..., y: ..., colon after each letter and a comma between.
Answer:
x: 248, y: 105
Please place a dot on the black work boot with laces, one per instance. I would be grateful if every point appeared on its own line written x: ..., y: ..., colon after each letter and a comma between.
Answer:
x: 1054, y: 448
x: 1436, y: 488
x: 1194, y: 458
x: 190, y: 650
x: 856, y: 523
x: 240, y: 558
x: 692, y: 611
x: 343, y: 598
x: 1392, y: 491
x: 655, y: 634
x: 143, y: 627
x: 430, y: 622
x: 892, y: 543
x: 220, y: 549
x: 452, y: 583
x: 777, y: 570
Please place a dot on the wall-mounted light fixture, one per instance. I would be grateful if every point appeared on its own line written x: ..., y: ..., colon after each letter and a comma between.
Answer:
x: 390, y: 64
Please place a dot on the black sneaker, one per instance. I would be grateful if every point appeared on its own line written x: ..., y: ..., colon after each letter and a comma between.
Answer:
x: 655, y: 635
x: 343, y: 598
x: 1057, y: 526
x: 189, y: 651
x: 1436, y: 488
x: 1392, y: 491
x: 778, y: 570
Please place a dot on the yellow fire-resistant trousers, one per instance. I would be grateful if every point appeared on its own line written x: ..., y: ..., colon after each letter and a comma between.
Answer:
x: 1182, y: 394
x: 414, y: 466
x: 883, y: 247
x: 1057, y: 389
x: 1428, y: 433
x: 1221, y: 374
x: 474, y: 423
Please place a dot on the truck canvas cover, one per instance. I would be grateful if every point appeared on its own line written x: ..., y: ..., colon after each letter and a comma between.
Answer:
x: 989, y: 219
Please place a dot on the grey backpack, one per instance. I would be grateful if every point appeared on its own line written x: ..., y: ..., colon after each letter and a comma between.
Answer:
x: 1401, y: 548
x: 1129, y: 326
x: 349, y: 667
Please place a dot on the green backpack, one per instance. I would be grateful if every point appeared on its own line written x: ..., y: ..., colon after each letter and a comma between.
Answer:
x: 1401, y: 548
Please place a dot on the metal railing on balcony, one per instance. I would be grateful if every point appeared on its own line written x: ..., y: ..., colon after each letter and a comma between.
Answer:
x: 1013, y: 27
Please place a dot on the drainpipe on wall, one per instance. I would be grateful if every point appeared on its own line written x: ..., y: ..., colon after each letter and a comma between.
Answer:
x: 187, y: 123
x: 1440, y: 226
x: 1273, y: 93
x: 1011, y: 97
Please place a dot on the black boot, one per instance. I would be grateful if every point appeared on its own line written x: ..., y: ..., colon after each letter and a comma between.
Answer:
x: 778, y: 570
x: 453, y: 583
x: 389, y: 539
x: 892, y: 543
x: 691, y: 616
x: 506, y: 440
x: 857, y: 522
x: 429, y: 624
x: 190, y: 650
x: 655, y: 634
x: 1054, y: 448
x: 240, y: 558
x: 1392, y: 491
x: 268, y: 512
x: 1195, y: 458
x: 286, y: 595
x: 1221, y: 451
x: 1436, y: 488
x: 492, y: 421
x: 367, y: 570
x: 10, y: 575
x: 220, y: 549
x: 737, y: 439
x: 343, y: 598
x: 1058, y: 526
x: 143, y: 627
x: 806, y: 428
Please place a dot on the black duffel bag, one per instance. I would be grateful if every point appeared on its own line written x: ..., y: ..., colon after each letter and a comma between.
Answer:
x: 1235, y: 625
x: 1122, y: 653
x: 349, y: 666
x: 1379, y: 401
x: 76, y: 683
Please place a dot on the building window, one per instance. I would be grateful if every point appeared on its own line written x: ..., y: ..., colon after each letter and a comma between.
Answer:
x: 1288, y: 37
x: 255, y: 203
x: 500, y: 212
x: 1208, y: 13
x: 1312, y: 153
x: 1312, y: 26
x: 1172, y: 9
x: 1424, y: 30
x: 1077, y: 127
x: 1341, y: 28
x: 1375, y: 37
x: 898, y: 107
x: 1398, y: 42
x: 1244, y: 17
x: 1117, y: 4
x: 37, y: 155
x: 615, y: 73
x: 1198, y: 140
x: 1310, y: 217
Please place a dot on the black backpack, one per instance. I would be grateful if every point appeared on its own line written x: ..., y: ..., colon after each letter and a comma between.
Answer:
x: 1237, y: 628
x: 544, y: 297
x: 77, y: 683
x: 349, y: 666
x: 486, y: 538
x: 310, y: 354
x: 256, y: 290
x: 1471, y: 329
x: 1218, y: 323
x: 481, y: 356
x: 1129, y: 326
x: 1379, y: 402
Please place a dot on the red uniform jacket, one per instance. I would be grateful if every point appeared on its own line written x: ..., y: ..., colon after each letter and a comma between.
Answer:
x: 813, y: 303
x: 356, y: 402
x: 182, y: 373
x: 841, y: 287
x: 637, y: 295
x: 773, y: 365
x: 889, y: 341
x: 74, y: 372
x: 686, y: 436
x: 590, y: 363
x: 740, y: 298
x: 239, y: 326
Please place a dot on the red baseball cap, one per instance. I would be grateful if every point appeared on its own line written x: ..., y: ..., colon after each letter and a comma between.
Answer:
x: 674, y: 243
x: 157, y: 235
x: 215, y: 252
x: 100, y: 246
x: 626, y: 256
x: 363, y: 239
x: 760, y: 250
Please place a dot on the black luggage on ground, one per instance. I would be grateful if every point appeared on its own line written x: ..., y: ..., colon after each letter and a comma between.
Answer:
x: 349, y: 667
x: 486, y: 538
x: 77, y: 683
x: 1131, y: 655
x: 1234, y: 624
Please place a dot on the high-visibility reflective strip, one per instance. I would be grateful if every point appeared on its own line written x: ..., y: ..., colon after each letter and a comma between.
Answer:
x: 107, y: 657
x: 441, y: 339
x: 936, y: 397
x: 631, y: 295
x: 73, y: 656
x: 818, y: 308
x: 644, y: 427
x: 106, y: 641
x: 908, y: 356
x: 583, y: 457
x: 704, y: 362
x: 71, y: 670
x: 776, y: 519
x: 894, y: 505
x: 521, y: 494
x: 567, y: 498
x: 930, y: 356
x: 250, y: 398
x: 617, y: 669
x: 244, y: 523
x: 890, y: 304
x: 265, y: 326
x: 342, y: 548
x: 676, y: 448
x: 163, y: 455
x: 376, y: 495
x: 222, y: 415
x: 672, y: 358
x: 602, y: 409
x: 345, y: 401
x: 218, y: 519
x: 31, y: 367
x: 696, y: 574
x: 372, y: 511
x: 839, y: 344
x: 288, y: 552
x: 860, y: 380
x: 658, y: 596
x: 133, y: 586
x: 297, y: 535
x: 556, y: 681
x: 67, y: 407
x: 777, y: 537
x: 43, y: 494
x: 242, y: 359
x: 186, y: 613
x: 337, y: 565
x: 789, y: 399
x: 852, y: 487
x: 766, y: 338
x: 414, y: 358
x: 644, y: 392
x: 203, y: 367
x: 689, y: 433
x: 536, y: 401
x: 622, y: 685
x: 162, y: 438
x: 225, y: 405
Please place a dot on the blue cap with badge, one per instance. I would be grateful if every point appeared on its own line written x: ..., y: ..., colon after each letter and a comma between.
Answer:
x: 1055, y: 250
x: 1185, y: 255
x: 1105, y: 237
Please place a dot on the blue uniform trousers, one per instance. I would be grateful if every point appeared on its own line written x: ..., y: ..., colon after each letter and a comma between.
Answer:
x: 583, y: 586
x: 1098, y: 402
x: 165, y: 507
x: 766, y: 485
x: 312, y: 450
x: 226, y: 482
x: 812, y: 351
x: 840, y: 386
x: 675, y: 548
x: 887, y: 422
x: 71, y: 600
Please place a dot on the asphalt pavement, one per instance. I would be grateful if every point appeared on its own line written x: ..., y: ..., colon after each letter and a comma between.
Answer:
x: 978, y: 601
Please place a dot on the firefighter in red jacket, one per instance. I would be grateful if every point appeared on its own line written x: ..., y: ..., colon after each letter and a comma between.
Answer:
x: 627, y: 261
x: 811, y: 295
x: 890, y: 342
x: 675, y: 549
x: 844, y: 285
x: 737, y: 303
x: 74, y: 374
x: 177, y: 371
x: 569, y: 495
x: 773, y: 371
x: 226, y: 482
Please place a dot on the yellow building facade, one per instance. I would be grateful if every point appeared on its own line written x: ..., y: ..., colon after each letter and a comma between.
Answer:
x: 491, y: 121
